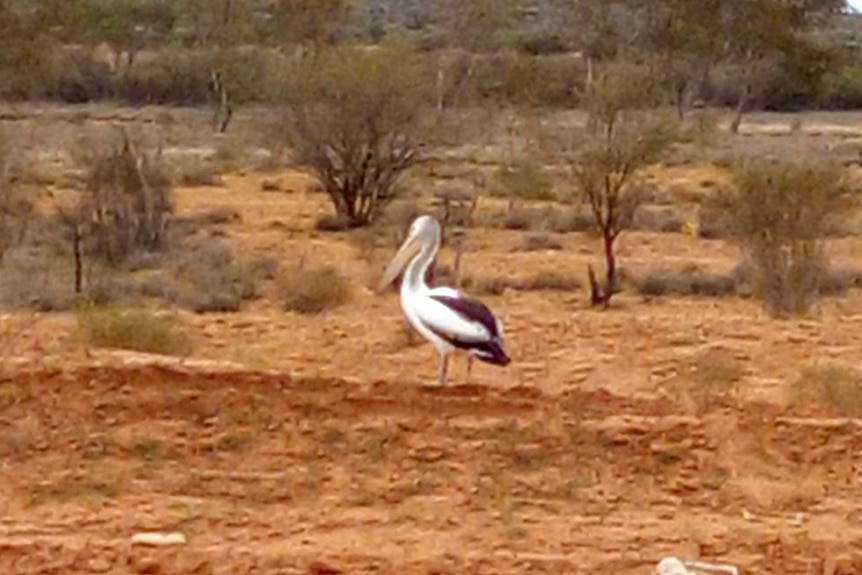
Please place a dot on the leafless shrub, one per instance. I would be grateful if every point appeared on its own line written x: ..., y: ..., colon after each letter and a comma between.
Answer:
x: 128, y: 201
x: 779, y: 212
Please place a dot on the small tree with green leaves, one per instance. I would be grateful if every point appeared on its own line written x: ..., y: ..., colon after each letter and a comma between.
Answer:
x: 620, y: 140
x: 351, y: 116
x: 779, y: 211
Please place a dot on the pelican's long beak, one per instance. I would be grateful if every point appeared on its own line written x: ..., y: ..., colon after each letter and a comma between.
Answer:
x: 407, y: 250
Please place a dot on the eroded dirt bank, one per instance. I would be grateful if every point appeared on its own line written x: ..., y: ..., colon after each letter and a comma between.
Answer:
x: 265, y: 474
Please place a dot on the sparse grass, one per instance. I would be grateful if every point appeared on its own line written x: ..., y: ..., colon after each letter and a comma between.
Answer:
x: 541, y: 281
x: 523, y: 179
x: 715, y: 478
x: 229, y: 441
x: 538, y: 242
x: 376, y: 447
x: 190, y: 224
x: 196, y: 172
x: 312, y: 290
x: 831, y: 385
x: 668, y: 455
x: 689, y: 282
x: 537, y: 219
x: 76, y: 487
x: 133, y: 329
x: 710, y: 376
x: 147, y: 449
x: 233, y: 442
x: 216, y: 280
x: 663, y: 220
x: 34, y: 279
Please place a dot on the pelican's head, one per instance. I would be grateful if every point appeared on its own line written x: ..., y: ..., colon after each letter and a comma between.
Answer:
x: 424, y: 231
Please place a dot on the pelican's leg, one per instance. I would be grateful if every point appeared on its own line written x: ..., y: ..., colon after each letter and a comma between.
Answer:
x: 469, y: 366
x: 444, y: 364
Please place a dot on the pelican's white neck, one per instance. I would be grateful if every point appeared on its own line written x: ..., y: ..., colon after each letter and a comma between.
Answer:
x: 414, y: 276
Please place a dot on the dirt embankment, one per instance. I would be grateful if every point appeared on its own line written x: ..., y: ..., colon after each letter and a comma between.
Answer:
x: 265, y: 474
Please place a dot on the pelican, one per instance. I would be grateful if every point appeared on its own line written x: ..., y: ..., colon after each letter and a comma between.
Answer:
x: 442, y: 315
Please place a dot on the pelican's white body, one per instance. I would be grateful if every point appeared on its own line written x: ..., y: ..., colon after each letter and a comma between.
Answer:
x: 429, y: 316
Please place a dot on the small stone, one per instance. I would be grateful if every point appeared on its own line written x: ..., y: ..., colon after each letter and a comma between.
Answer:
x: 154, y: 539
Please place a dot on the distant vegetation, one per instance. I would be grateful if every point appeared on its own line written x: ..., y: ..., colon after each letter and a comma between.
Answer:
x: 359, y: 92
x: 757, y: 54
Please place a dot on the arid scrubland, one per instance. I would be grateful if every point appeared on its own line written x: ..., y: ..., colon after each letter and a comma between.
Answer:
x: 661, y: 198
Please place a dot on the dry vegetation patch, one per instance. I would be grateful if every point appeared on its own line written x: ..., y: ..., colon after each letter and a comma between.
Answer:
x: 312, y: 289
x: 133, y: 329
x: 830, y: 385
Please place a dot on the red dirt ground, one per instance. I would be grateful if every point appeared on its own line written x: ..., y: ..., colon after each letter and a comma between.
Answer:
x: 292, y: 444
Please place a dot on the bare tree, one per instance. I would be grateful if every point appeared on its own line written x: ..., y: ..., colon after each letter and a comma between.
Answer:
x: 622, y: 139
x: 75, y: 219
x: 351, y: 115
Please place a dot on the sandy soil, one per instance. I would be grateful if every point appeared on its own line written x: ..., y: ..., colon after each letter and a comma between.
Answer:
x: 313, y: 444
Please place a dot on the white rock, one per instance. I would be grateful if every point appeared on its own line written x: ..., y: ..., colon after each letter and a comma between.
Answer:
x: 158, y: 539
x: 671, y: 566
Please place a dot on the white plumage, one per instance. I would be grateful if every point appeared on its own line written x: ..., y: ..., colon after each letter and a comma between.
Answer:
x: 442, y: 315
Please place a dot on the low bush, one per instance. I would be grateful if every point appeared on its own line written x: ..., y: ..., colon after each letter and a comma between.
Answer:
x: 133, y: 329
x: 311, y: 290
x: 215, y: 279
x: 686, y: 283
x: 830, y: 385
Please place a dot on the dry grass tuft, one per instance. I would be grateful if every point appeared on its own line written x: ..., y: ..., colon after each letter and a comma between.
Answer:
x: 709, y: 377
x: 523, y: 179
x: 538, y: 242
x: 541, y: 281
x: 216, y: 280
x: 830, y: 385
x: 688, y: 282
x: 133, y: 329
x: 312, y: 289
